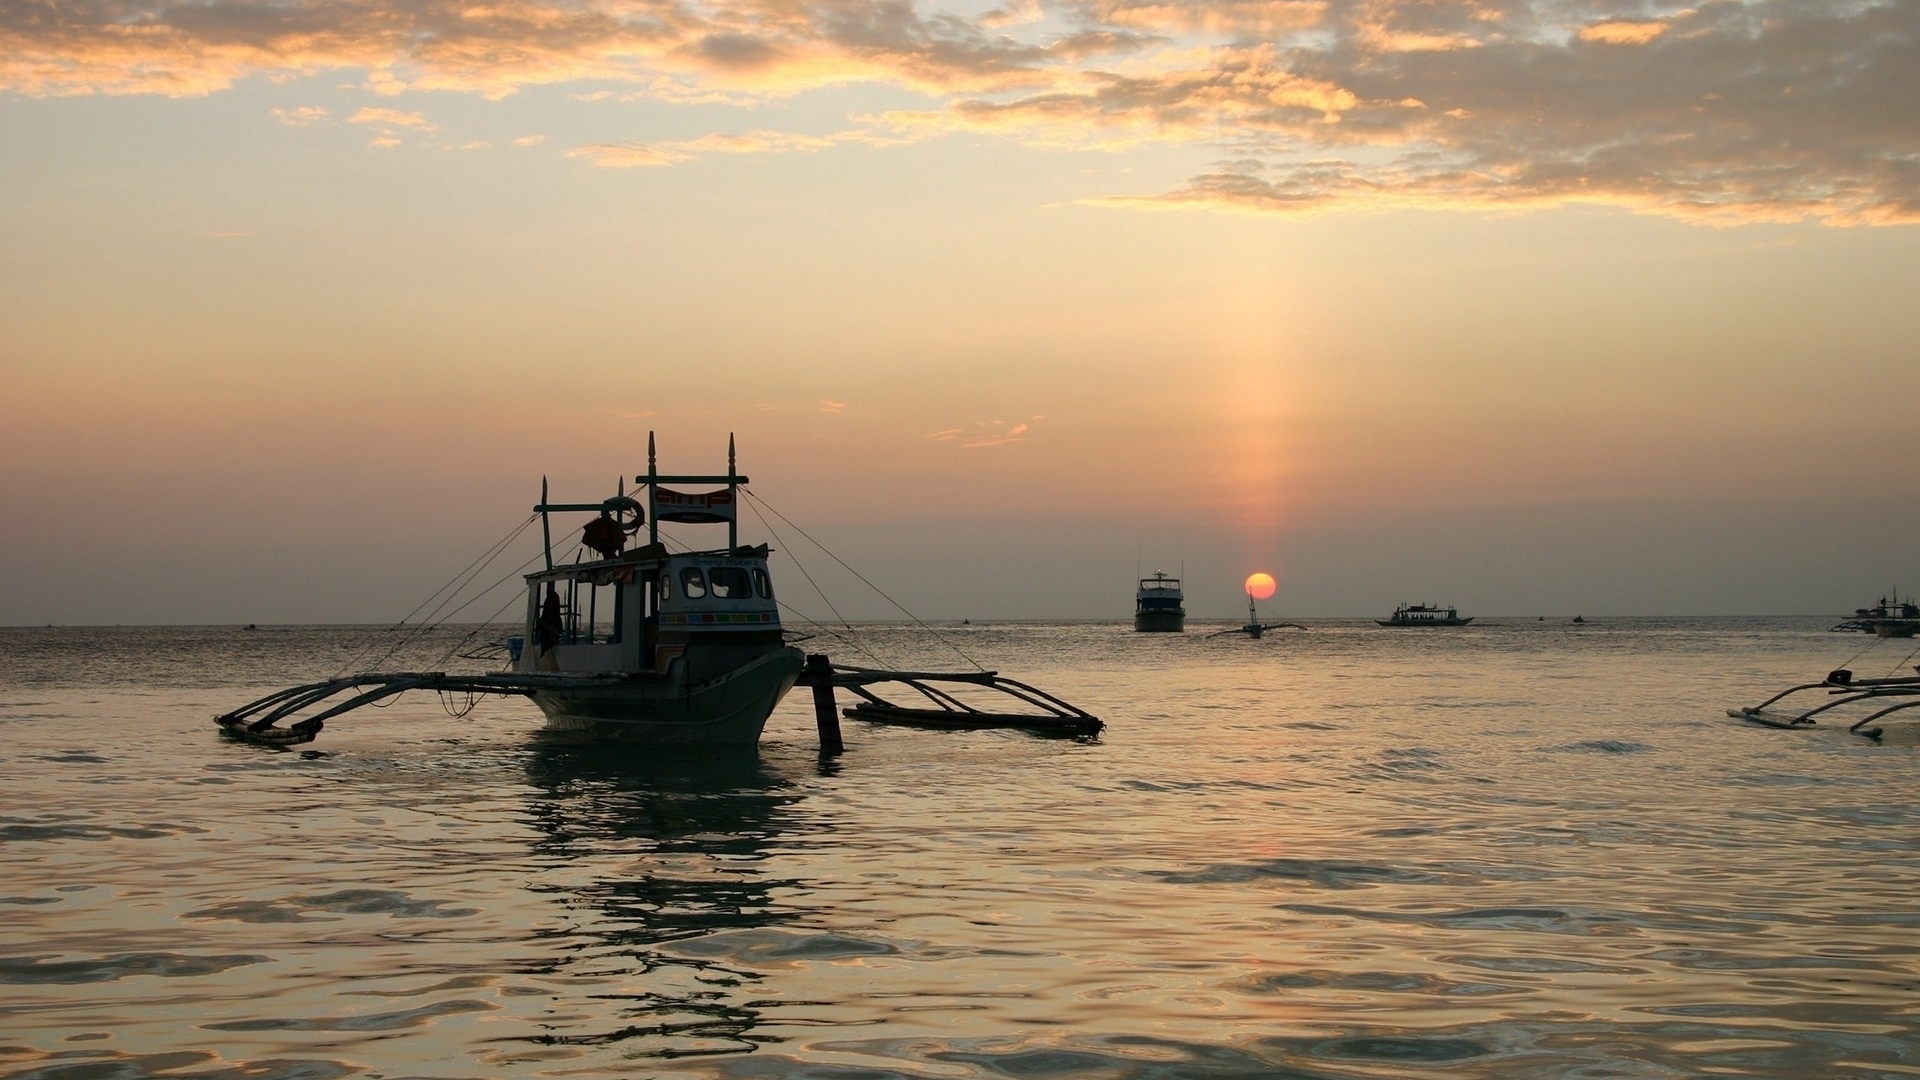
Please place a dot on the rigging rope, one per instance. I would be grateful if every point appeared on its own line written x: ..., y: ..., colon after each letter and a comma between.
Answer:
x: 455, y: 584
x: 791, y: 554
x: 1871, y: 645
x: 851, y: 642
x: 1903, y: 663
x: 424, y: 628
x: 511, y: 600
x: 883, y: 594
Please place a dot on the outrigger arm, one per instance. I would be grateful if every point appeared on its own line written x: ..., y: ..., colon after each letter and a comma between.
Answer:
x: 261, y: 721
x: 258, y: 721
x: 1845, y: 690
x: 1054, y: 715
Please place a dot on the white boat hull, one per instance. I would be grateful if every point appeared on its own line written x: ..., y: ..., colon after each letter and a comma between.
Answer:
x: 730, y: 710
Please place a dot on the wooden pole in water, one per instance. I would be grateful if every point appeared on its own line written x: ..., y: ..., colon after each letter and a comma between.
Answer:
x: 826, y: 717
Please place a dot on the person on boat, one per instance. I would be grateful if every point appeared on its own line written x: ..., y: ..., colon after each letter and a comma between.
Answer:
x: 547, y: 630
x: 604, y: 535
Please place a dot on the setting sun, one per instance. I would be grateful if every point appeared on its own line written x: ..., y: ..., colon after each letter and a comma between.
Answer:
x: 1261, y: 585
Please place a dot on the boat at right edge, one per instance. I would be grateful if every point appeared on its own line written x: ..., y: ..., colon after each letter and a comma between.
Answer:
x: 1425, y: 615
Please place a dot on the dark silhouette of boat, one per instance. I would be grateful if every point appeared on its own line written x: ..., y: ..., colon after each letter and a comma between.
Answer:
x: 667, y: 648
x: 1424, y: 615
x: 1159, y: 607
x: 1890, y: 618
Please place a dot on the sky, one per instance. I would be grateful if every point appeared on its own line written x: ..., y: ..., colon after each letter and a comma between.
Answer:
x: 1526, y: 306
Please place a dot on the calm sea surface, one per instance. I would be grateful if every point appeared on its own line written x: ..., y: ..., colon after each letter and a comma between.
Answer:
x: 1521, y: 849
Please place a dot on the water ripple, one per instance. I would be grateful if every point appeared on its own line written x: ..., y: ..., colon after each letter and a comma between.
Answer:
x: 32, y: 970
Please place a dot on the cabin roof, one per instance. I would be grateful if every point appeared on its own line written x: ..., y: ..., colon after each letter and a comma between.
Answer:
x: 645, y: 557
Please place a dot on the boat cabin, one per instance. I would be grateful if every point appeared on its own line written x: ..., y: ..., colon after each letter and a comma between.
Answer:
x: 1159, y: 605
x: 640, y: 611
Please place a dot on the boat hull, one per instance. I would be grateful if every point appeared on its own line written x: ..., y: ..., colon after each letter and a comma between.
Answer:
x: 1160, y: 622
x: 730, y: 710
x: 1424, y: 622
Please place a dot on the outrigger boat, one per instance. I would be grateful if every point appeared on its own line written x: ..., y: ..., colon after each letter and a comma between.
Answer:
x: 1890, y: 618
x: 1253, y: 627
x: 652, y: 646
x: 1844, y: 690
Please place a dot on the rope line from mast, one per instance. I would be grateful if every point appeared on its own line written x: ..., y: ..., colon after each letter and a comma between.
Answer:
x: 423, y: 628
x: 846, y: 639
x: 451, y: 589
x: 937, y: 635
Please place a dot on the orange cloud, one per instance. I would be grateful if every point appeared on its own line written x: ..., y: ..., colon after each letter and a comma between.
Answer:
x: 392, y: 118
x: 1622, y: 33
x: 1755, y: 111
x: 301, y: 117
x: 649, y: 155
x: 1229, y: 17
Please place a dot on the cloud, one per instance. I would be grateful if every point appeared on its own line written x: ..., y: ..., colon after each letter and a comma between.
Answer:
x: 984, y: 433
x: 1623, y: 32
x: 302, y: 116
x: 653, y: 155
x: 1721, y: 110
x: 1235, y: 18
x: 392, y: 118
x: 390, y: 124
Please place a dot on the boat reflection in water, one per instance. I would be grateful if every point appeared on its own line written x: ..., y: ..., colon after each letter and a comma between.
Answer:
x: 653, y: 853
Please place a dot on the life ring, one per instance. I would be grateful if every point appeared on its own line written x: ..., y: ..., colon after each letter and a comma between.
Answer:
x: 626, y: 511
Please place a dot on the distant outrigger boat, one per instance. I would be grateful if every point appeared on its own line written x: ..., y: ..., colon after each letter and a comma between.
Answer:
x: 1424, y: 615
x: 652, y: 646
x: 1890, y: 618
x: 1159, y: 607
x: 1253, y: 627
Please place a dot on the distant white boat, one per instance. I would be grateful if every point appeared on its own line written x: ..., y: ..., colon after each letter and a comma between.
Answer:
x: 1159, y: 606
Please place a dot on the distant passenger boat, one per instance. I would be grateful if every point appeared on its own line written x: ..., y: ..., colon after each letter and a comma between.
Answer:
x: 1424, y: 615
x: 1159, y: 606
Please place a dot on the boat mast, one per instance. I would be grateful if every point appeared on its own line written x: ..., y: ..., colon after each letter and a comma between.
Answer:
x: 654, y: 478
x: 546, y: 531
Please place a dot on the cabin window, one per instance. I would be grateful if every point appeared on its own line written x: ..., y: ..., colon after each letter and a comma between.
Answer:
x: 692, y: 585
x: 730, y: 583
x: 762, y: 584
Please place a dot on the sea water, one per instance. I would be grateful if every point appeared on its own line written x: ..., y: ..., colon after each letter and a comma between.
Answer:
x: 1524, y: 848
